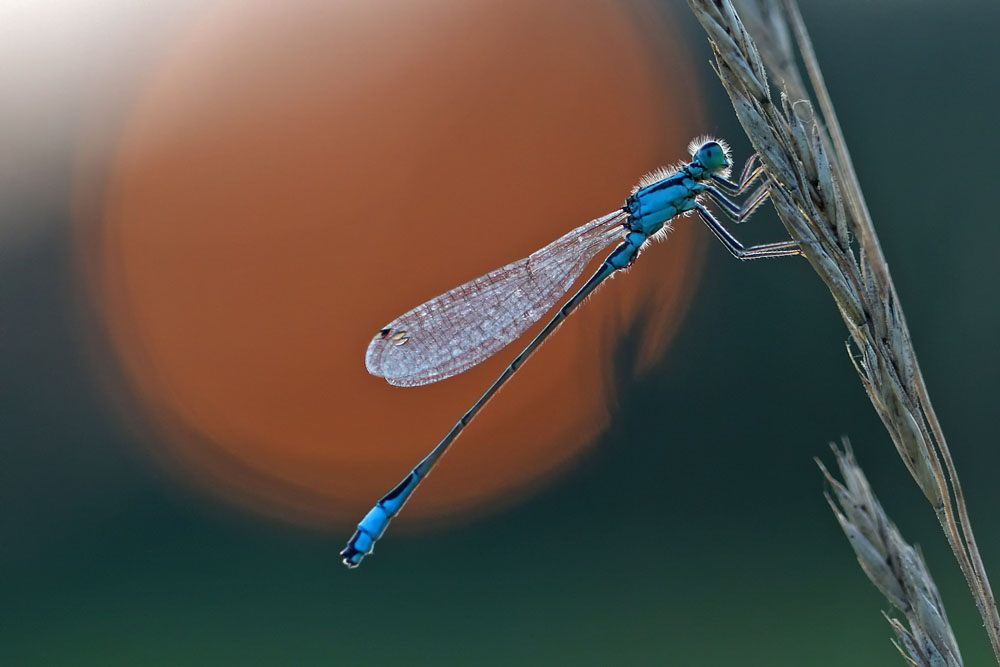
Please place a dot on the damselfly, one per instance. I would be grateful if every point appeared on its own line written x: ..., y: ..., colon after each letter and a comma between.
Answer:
x: 472, y: 322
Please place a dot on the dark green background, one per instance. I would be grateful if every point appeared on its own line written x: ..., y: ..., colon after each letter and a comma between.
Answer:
x: 695, y: 533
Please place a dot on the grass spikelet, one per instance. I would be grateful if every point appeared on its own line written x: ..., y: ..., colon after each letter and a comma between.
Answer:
x: 896, y: 568
x: 815, y: 190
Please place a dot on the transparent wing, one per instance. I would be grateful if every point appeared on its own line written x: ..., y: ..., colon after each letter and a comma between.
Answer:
x: 460, y: 328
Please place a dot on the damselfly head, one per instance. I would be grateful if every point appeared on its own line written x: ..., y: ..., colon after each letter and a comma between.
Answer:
x: 711, y: 154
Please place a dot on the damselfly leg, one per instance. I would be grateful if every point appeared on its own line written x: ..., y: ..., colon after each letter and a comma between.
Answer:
x: 780, y: 249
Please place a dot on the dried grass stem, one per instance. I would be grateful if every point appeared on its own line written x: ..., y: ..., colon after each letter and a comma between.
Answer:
x: 816, y: 193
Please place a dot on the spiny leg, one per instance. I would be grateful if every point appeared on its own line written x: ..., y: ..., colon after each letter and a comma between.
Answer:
x: 748, y: 176
x: 739, y: 212
x: 780, y: 249
x: 751, y: 171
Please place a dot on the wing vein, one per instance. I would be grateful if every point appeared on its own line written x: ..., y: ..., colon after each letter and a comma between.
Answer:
x: 467, y: 324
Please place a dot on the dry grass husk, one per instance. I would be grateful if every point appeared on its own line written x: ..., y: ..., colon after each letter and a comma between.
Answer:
x: 896, y: 568
x: 816, y: 193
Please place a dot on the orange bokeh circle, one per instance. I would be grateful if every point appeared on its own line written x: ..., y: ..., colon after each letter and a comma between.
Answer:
x: 289, y: 180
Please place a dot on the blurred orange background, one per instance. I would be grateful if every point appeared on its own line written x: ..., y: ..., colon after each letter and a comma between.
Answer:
x: 287, y: 180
